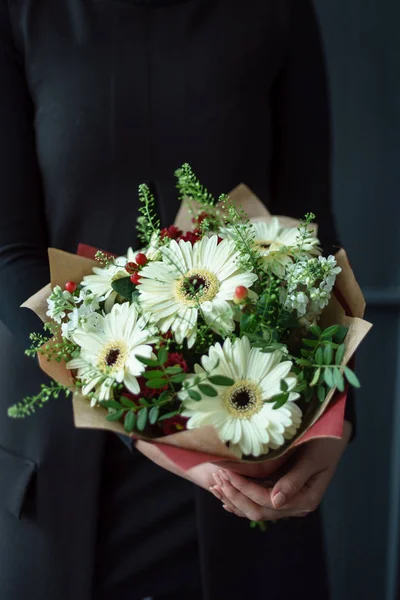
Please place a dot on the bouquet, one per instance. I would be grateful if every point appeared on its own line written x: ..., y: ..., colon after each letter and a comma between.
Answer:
x: 227, y: 336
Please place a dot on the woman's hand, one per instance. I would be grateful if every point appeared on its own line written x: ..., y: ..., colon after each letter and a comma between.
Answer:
x: 297, y: 493
x: 202, y: 475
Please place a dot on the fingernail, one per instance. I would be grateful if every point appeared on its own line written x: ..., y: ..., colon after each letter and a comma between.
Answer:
x: 279, y: 500
x: 224, y: 506
x: 214, y: 490
x: 224, y: 475
x: 218, y: 479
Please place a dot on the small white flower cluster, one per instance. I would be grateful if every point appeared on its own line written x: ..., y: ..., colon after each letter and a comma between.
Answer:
x: 82, y: 314
x: 309, y: 284
x: 59, y: 303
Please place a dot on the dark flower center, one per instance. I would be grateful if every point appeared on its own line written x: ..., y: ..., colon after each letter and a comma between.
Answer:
x: 112, y: 356
x: 243, y: 399
x: 196, y: 284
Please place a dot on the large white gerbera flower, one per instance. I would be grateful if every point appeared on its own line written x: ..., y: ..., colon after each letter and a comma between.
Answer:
x: 192, y: 280
x: 109, y: 347
x: 279, y: 244
x: 240, y: 413
x: 100, y: 281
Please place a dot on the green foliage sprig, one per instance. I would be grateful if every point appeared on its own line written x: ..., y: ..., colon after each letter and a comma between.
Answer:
x: 321, y: 363
x: 148, y: 223
x: 29, y: 404
x: 189, y: 186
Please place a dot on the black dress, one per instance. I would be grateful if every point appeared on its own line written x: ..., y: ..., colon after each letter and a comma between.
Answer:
x: 96, y: 97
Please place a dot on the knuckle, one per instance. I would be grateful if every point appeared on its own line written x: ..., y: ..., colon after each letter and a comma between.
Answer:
x: 292, y: 486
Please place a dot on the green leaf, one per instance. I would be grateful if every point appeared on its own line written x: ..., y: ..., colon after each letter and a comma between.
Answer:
x: 321, y: 393
x: 310, y: 343
x: 156, y: 384
x: 305, y: 353
x: 329, y: 378
x: 316, y: 377
x: 194, y: 395
x: 110, y: 404
x: 130, y: 420
x: 116, y: 416
x: 303, y: 362
x: 149, y: 362
x: 127, y: 402
x: 173, y: 370
x: 328, y: 354
x: 153, y: 374
x: 178, y: 378
x: 124, y: 287
x: 153, y: 415
x: 319, y: 356
x: 341, y: 334
x: 169, y: 415
x: 143, y: 402
x: 308, y: 394
x: 338, y: 379
x: 315, y: 330
x: 280, y: 401
x: 301, y: 387
x: 330, y: 331
x: 162, y: 355
x: 284, y: 386
x: 352, y: 377
x: 164, y: 396
x: 300, y: 377
x: 220, y: 380
x: 340, y: 354
x: 208, y: 390
x: 142, y: 418
x: 248, y: 322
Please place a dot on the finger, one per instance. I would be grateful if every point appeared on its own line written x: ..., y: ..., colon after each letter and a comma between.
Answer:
x: 245, y: 505
x: 255, y: 491
x: 233, y: 512
x: 218, y: 493
x: 214, y: 489
x: 310, y: 496
x: 291, y: 484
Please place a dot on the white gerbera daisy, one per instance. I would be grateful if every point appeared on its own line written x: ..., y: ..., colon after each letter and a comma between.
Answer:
x: 241, y: 413
x: 279, y: 244
x: 109, y: 347
x: 100, y: 281
x: 192, y: 281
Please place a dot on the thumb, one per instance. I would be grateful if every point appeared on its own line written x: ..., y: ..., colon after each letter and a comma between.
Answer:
x: 292, y: 482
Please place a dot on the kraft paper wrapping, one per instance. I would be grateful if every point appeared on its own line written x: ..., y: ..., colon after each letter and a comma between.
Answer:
x: 190, y: 448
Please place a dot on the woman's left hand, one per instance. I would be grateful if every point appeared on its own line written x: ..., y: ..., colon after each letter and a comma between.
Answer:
x: 296, y: 494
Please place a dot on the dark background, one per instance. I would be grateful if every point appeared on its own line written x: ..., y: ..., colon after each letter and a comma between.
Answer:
x: 363, y: 505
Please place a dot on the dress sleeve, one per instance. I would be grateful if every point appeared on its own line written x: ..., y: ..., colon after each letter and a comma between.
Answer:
x: 23, y: 235
x: 301, y: 164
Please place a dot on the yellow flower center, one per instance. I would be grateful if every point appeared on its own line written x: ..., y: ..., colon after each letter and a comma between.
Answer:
x: 113, y: 356
x: 196, y: 286
x: 243, y: 399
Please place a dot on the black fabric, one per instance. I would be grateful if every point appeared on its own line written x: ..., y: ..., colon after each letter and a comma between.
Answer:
x: 16, y: 474
x: 147, y: 543
x: 98, y: 96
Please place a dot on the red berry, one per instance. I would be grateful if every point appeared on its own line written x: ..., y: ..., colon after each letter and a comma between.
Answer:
x: 135, y: 278
x: 70, y: 286
x: 241, y: 294
x: 131, y: 268
x: 141, y: 259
